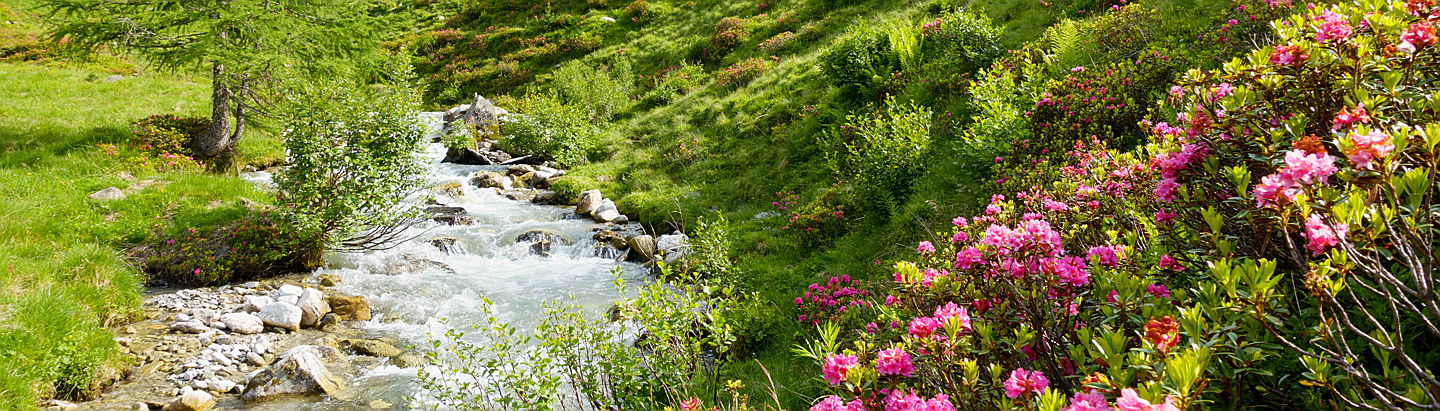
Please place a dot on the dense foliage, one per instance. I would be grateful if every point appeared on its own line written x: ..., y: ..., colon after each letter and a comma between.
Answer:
x: 352, y: 155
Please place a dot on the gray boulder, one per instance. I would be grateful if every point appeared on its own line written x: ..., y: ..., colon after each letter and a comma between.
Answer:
x: 312, y: 307
x: 282, y: 315
x: 587, y: 202
x: 607, y: 212
x: 108, y: 194
x: 304, y: 370
x: 242, y: 323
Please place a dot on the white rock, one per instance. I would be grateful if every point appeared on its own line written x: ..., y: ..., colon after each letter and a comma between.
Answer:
x: 192, y: 327
x: 587, y: 202
x: 222, y: 385
x: 607, y: 19
x: 192, y: 401
x: 312, y: 307
x: 243, y: 323
x: 289, y: 299
x: 606, y: 212
x: 253, y: 303
x: 108, y: 194
x: 282, y: 315
x: 289, y: 289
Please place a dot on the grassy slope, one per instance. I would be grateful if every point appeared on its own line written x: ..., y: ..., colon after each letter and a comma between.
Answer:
x: 62, y: 276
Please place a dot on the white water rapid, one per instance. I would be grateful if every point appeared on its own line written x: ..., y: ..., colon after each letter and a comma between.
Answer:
x: 416, y: 283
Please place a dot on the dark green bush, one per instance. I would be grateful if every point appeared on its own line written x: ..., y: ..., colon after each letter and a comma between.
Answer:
x: 880, y: 153
x: 859, y: 62
x: 959, y: 43
x: 601, y: 92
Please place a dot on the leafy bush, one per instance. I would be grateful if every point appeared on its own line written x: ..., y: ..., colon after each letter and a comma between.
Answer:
x: 879, y: 154
x: 1172, y: 278
x: 601, y: 93
x: 353, y: 154
x: 1319, y: 181
x: 547, y: 127
x: 671, y: 82
x: 959, y: 43
x: 813, y: 221
x: 859, y: 61
x: 638, y: 10
x: 253, y: 247
x: 604, y: 363
x: 730, y: 32
x: 776, y: 43
x: 744, y: 71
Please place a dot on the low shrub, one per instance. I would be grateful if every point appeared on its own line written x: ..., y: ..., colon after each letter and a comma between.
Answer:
x: 958, y: 43
x: 743, y: 71
x: 161, y: 143
x: 730, y: 32
x: 671, y: 82
x: 776, y: 43
x: 253, y: 247
x: 1106, y: 102
x: 812, y: 221
x: 601, y: 92
x: 547, y: 127
x: 637, y: 11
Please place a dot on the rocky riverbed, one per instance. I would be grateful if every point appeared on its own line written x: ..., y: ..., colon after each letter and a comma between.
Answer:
x: 251, y: 344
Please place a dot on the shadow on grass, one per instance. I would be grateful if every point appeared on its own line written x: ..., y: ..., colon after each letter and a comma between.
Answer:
x: 19, y: 148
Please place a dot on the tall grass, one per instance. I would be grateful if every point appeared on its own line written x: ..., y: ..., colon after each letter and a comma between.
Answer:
x: 63, y: 278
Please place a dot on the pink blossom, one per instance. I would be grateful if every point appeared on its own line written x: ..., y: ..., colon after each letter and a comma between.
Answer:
x: 1093, y: 401
x: 925, y: 247
x: 967, y: 258
x: 1170, y: 263
x: 959, y: 236
x: 1309, y: 168
x: 1287, y: 55
x: 945, y: 313
x: 1417, y: 36
x: 1158, y: 290
x: 1321, y: 236
x: 1166, y: 189
x: 1105, y: 255
x: 923, y: 327
x: 1346, y: 117
x: 1333, y: 27
x: 1022, y: 382
x: 894, y: 361
x: 837, y: 367
x: 1130, y: 401
x: 834, y: 403
x: 959, y: 222
x: 906, y: 400
x: 1164, y: 216
x: 1070, y: 270
x: 1368, y: 147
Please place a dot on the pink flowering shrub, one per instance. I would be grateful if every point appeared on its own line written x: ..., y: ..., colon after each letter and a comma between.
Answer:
x: 814, y: 221
x: 253, y: 247
x: 1320, y: 163
x: 743, y: 71
x: 833, y: 301
x: 161, y: 143
x: 1275, y: 230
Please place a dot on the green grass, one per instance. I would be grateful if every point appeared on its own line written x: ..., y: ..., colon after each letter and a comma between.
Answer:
x: 63, y: 277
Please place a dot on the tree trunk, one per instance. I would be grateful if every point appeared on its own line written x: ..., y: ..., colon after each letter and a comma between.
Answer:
x: 218, y: 140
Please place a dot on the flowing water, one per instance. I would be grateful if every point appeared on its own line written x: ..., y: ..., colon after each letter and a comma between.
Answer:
x: 416, y: 283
